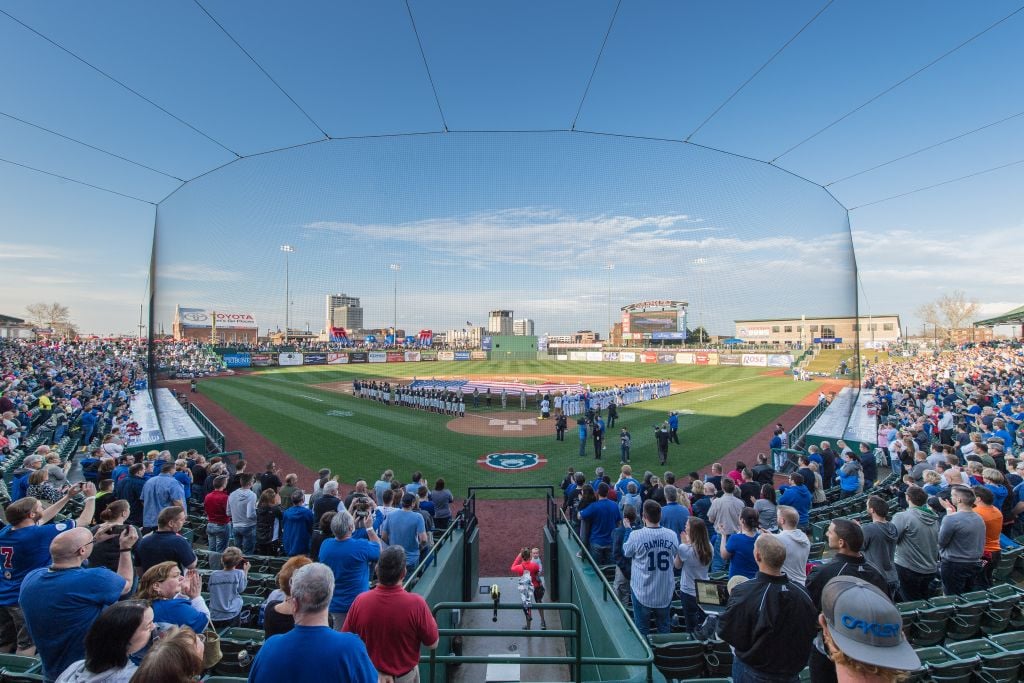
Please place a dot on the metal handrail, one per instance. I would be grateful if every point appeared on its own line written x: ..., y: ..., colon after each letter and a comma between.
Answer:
x: 576, y: 661
x: 206, y: 425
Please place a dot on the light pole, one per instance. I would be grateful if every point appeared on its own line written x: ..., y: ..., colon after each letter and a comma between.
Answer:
x: 700, y: 293
x: 395, y: 267
x: 610, y: 267
x: 287, y: 249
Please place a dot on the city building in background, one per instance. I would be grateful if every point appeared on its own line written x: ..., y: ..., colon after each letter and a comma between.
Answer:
x: 876, y: 331
x: 499, y: 322
x: 465, y: 338
x: 522, y: 327
x: 15, y: 328
x: 344, y: 311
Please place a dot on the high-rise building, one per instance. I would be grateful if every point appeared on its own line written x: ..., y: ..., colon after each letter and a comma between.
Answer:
x: 523, y: 327
x: 344, y: 311
x: 499, y: 322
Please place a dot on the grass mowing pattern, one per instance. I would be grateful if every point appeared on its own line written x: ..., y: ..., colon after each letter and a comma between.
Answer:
x: 284, y: 405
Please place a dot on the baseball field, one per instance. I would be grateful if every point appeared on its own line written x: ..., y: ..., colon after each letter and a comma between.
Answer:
x: 310, y: 414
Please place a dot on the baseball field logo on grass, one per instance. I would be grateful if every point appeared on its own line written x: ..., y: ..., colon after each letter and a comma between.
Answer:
x: 512, y: 461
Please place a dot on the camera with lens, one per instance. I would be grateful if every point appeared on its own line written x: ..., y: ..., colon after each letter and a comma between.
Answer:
x: 361, y: 509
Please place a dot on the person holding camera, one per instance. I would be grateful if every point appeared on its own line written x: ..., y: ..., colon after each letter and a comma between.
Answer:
x: 349, y: 558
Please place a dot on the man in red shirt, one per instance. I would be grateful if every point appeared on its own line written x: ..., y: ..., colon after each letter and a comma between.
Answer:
x: 393, y: 623
x: 218, y: 522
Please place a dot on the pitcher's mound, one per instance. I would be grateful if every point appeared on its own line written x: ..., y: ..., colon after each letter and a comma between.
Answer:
x: 503, y: 424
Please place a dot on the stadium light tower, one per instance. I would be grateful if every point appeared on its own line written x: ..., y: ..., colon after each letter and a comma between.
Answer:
x: 287, y: 249
x: 700, y: 287
x: 610, y: 267
x: 395, y: 267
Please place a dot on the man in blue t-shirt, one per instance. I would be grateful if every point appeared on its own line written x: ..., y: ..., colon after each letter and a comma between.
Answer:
x: 61, y: 602
x: 349, y: 559
x: 158, y: 493
x: 406, y: 528
x: 674, y: 515
x: 166, y: 544
x: 604, y: 516
x: 24, y: 546
x: 312, y: 651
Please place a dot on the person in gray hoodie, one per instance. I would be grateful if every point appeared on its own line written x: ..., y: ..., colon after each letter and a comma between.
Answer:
x: 917, y: 546
x: 798, y: 546
x: 880, y: 542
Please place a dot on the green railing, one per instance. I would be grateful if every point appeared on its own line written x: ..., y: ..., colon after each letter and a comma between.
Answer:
x: 801, y: 428
x: 575, y: 634
x: 205, y: 424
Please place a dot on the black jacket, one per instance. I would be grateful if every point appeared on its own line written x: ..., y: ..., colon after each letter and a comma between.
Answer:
x: 844, y: 565
x: 129, y: 490
x: 763, y: 474
x: 770, y: 622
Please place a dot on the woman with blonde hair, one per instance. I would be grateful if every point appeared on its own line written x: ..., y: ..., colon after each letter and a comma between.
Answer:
x: 177, y: 657
x: 174, y: 597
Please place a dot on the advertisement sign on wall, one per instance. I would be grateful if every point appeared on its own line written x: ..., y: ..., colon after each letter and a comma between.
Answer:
x: 377, y: 357
x: 428, y: 355
x: 478, y: 355
x: 648, y: 356
x: 237, y: 360
x: 754, y: 331
x: 668, y: 335
x: 780, y: 360
x: 562, y: 356
x: 462, y: 355
x: 730, y: 359
x: 627, y: 357
x: 611, y: 355
x: 314, y: 359
x: 666, y: 358
x: 701, y: 358
x: 337, y: 358
x: 758, y: 360
x: 485, y: 342
x: 446, y: 355
x: 396, y: 357
x: 412, y: 356
x: 594, y: 355
x: 261, y: 360
x: 289, y: 359
x: 358, y: 357
x: 577, y: 355
x: 684, y: 358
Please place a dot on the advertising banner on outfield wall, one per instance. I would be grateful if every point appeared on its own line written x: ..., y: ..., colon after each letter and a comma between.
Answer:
x: 701, y: 358
x: 462, y: 355
x: 627, y: 356
x: 779, y: 360
x: 358, y: 357
x: 446, y: 355
x: 757, y: 360
x: 730, y: 359
x: 666, y: 358
x: 648, y: 356
x: 395, y: 357
x: 684, y: 358
x: 377, y: 357
x: 485, y: 342
x: 412, y: 356
x: 314, y: 359
x: 261, y: 360
x: 594, y: 356
x: 337, y: 358
x: 237, y: 360
x: 478, y: 355
x: 611, y: 355
x: 428, y: 355
x: 577, y: 355
x: 289, y: 359
x: 562, y: 356
x: 668, y: 335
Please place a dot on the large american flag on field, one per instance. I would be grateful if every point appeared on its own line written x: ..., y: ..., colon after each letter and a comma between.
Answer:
x: 467, y: 386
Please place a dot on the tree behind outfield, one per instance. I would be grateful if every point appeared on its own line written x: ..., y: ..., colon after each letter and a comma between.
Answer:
x: 951, y: 311
x: 55, y: 316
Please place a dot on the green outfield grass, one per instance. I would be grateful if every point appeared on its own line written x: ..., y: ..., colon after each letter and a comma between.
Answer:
x: 286, y: 406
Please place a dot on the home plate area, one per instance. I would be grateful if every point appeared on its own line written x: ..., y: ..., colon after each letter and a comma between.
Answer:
x: 512, y: 425
x: 503, y: 423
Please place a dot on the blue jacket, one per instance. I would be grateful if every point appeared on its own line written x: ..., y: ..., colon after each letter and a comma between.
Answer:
x: 673, y: 421
x: 798, y: 498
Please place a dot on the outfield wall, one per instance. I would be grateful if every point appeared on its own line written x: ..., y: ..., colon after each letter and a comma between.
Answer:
x: 758, y: 360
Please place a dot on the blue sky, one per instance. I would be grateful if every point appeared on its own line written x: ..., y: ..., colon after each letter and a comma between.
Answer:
x: 525, y: 220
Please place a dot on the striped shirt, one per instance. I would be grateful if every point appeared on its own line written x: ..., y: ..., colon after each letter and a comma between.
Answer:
x: 653, y: 549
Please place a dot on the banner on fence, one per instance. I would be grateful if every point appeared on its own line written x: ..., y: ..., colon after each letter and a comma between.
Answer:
x: 648, y: 356
x: 337, y: 358
x: 757, y: 360
x: 314, y: 359
x: 577, y: 355
x: 780, y: 360
x: 446, y: 355
x: 611, y: 355
x: 730, y: 359
x: 261, y: 360
x: 562, y: 356
x: 358, y: 357
x: 666, y: 358
x: 237, y: 360
x: 289, y: 359
x: 412, y: 356
x: 478, y: 355
x: 594, y: 355
x: 428, y: 355
x: 627, y: 356
x: 377, y: 357
x: 462, y: 355
x: 396, y: 357
x: 684, y: 358
x: 701, y: 358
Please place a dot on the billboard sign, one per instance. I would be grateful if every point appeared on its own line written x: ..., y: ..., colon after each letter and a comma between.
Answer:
x: 701, y: 358
x: 260, y: 360
x: 462, y: 355
x: 577, y: 355
x: 485, y: 342
x: 650, y: 322
x: 828, y: 340
x: 627, y: 356
x: 237, y: 360
x: 666, y: 358
x: 377, y: 357
x: 446, y: 355
x: 314, y: 359
x: 684, y: 358
x: 730, y: 359
x: 668, y: 335
x: 780, y: 360
x: 754, y: 332
x: 478, y: 355
x: 395, y: 357
x: 284, y: 359
x: 611, y: 355
x: 337, y: 358
x: 358, y: 357
x: 648, y: 357
x: 757, y: 360
x: 594, y: 355
x: 412, y: 356
x: 428, y: 355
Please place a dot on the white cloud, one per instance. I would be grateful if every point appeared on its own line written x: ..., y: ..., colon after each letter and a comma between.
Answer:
x: 195, y: 271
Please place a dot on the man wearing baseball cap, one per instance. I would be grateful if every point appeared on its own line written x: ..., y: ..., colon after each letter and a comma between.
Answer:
x: 863, y: 633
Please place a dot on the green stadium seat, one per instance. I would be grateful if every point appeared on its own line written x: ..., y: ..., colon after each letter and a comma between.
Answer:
x: 996, y: 618
x: 817, y: 550
x: 929, y: 629
x: 1007, y: 562
x: 997, y: 663
x: 908, y: 611
x: 12, y: 663
x: 965, y: 622
x: 718, y: 658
